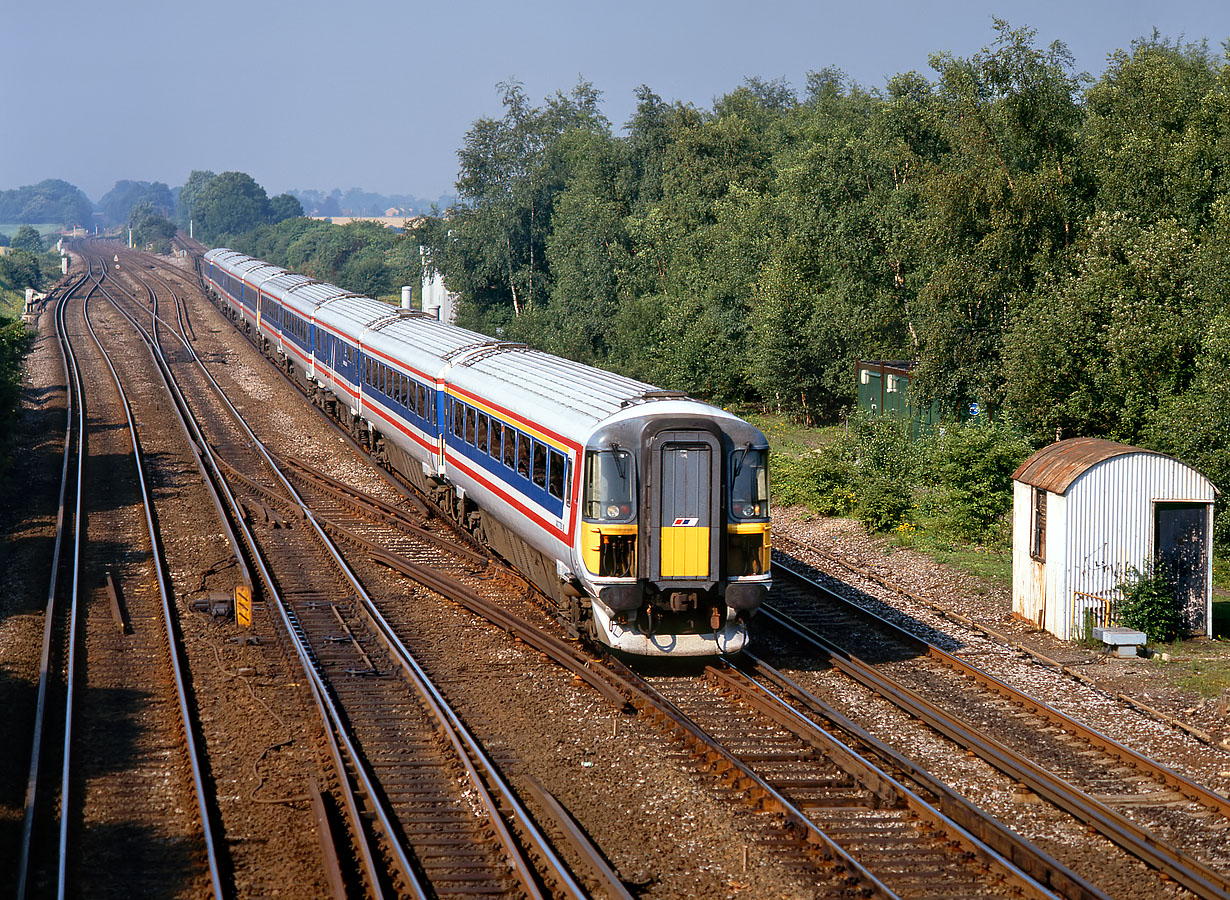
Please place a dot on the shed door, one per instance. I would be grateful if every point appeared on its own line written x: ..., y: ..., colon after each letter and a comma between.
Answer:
x: 1180, y: 542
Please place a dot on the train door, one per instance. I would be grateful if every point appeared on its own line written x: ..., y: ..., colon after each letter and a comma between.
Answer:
x: 685, y: 506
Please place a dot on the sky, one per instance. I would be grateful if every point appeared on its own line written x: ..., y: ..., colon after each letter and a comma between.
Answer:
x: 379, y: 95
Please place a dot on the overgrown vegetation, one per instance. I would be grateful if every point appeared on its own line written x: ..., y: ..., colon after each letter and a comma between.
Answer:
x: 950, y: 488
x: 1147, y: 603
x: 20, y: 269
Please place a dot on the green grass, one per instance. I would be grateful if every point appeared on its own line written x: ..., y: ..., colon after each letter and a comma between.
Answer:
x: 1202, y: 667
x: 44, y: 230
x: 991, y: 564
x: 787, y: 436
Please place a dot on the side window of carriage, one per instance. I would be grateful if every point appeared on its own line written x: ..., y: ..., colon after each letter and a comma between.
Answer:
x: 555, y: 481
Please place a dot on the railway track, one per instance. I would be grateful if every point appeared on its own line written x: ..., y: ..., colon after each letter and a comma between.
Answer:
x: 440, y: 803
x: 838, y: 807
x: 1149, y: 811
x: 375, y: 534
x: 128, y: 761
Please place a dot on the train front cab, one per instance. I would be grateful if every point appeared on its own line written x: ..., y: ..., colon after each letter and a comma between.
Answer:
x: 675, y: 538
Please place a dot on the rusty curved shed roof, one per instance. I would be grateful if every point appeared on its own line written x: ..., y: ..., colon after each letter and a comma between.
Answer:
x: 1056, y: 466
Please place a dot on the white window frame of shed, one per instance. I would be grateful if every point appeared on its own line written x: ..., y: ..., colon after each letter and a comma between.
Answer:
x: 1101, y: 520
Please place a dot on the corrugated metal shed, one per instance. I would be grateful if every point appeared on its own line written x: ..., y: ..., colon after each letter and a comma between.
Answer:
x: 1086, y: 512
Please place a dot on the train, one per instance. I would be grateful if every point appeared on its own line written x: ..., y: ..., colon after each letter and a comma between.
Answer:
x: 641, y: 514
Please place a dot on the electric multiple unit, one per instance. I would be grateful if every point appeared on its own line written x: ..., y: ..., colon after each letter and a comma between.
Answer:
x: 641, y: 513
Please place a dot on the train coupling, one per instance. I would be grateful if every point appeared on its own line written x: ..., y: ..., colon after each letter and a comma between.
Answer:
x: 682, y: 601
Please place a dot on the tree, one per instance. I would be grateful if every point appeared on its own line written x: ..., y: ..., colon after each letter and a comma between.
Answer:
x: 1151, y: 132
x: 512, y: 170
x: 150, y: 226
x: 15, y: 343
x: 27, y: 238
x: 283, y: 207
x: 1000, y: 203
x: 189, y: 194
x: 119, y: 202
x: 1109, y: 337
x: 50, y: 201
x: 20, y: 270
x: 230, y: 204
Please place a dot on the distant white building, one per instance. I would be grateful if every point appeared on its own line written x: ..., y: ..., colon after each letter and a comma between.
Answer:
x: 437, y: 298
x: 1085, y: 511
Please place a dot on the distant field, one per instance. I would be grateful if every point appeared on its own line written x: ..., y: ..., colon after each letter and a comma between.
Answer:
x: 44, y: 230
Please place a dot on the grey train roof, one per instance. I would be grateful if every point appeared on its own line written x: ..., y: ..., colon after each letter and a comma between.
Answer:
x: 564, y: 395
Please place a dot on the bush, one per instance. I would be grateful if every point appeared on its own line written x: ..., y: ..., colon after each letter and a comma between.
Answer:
x: 818, y: 479
x: 971, y: 466
x: 1148, y: 604
x: 887, y: 465
x: 15, y: 343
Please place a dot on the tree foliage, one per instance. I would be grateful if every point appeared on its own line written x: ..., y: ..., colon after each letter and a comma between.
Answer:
x: 48, y: 202
x: 15, y: 343
x: 118, y: 203
x: 1052, y: 247
x: 150, y: 227
x: 28, y: 239
x: 229, y: 204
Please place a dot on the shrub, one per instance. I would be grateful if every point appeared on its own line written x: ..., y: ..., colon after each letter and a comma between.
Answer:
x: 882, y: 502
x: 887, y: 464
x: 1148, y: 604
x: 818, y: 479
x: 971, y: 466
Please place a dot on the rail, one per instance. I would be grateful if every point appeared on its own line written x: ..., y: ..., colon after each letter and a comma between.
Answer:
x: 1134, y: 839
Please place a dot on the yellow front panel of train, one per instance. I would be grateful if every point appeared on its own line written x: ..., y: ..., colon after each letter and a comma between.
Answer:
x: 685, y: 551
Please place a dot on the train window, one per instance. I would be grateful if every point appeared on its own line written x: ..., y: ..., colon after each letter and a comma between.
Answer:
x: 510, y: 447
x: 555, y: 484
x: 420, y: 400
x: 469, y: 425
x: 540, y: 464
x: 497, y: 431
x: 523, y: 455
x: 480, y: 432
x: 610, y: 479
x: 749, y: 484
x: 459, y: 420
